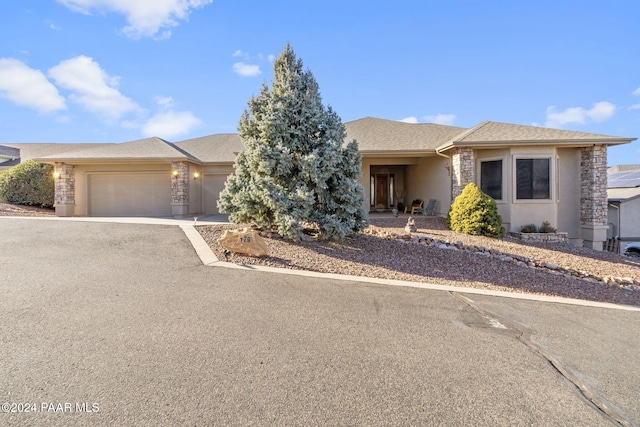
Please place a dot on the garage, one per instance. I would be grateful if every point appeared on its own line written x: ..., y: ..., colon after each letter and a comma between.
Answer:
x: 213, y: 185
x: 129, y: 194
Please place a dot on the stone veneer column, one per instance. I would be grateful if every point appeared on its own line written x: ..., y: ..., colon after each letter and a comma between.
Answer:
x: 65, y: 189
x: 179, y: 188
x: 463, y: 170
x: 593, y: 196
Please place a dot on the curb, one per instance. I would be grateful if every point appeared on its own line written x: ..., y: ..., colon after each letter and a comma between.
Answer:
x: 209, y: 259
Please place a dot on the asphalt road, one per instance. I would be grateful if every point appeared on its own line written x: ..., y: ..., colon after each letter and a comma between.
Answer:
x: 118, y: 324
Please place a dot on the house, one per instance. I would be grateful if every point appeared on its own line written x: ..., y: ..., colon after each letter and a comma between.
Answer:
x: 9, y: 157
x: 535, y: 174
x: 624, y: 202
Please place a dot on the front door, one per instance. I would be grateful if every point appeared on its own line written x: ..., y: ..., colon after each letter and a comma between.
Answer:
x: 382, y: 190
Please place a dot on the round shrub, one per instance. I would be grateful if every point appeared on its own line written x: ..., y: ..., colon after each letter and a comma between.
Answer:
x: 474, y: 212
x: 29, y: 183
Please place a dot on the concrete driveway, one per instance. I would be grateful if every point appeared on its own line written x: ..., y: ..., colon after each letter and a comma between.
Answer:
x: 121, y: 324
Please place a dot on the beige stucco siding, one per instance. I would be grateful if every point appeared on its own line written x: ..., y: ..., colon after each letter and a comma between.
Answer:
x: 429, y: 179
x: 630, y: 218
x: 568, y: 172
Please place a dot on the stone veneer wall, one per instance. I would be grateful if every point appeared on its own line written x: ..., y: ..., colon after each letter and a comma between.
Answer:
x: 180, y: 183
x: 593, y: 185
x: 462, y: 164
x: 65, y: 184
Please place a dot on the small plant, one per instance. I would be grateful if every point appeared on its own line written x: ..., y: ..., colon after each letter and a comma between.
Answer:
x: 529, y: 228
x: 474, y: 212
x: 547, y: 228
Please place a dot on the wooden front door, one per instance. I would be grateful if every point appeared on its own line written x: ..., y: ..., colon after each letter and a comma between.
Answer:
x: 382, y: 190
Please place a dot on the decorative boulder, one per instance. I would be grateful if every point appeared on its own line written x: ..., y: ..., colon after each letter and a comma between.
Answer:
x: 244, y: 241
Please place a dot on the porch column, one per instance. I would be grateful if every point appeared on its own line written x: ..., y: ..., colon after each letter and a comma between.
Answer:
x: 65, y: 189
x: 179, y: 189
x: 593, y: 196
x: 463, y: 170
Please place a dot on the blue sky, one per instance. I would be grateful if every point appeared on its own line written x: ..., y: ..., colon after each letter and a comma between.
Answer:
x: 120, y: 70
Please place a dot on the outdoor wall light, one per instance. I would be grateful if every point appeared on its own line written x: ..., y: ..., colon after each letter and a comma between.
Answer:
x: 196, y: 175
x: 56, y: 175
x: 175, y: 173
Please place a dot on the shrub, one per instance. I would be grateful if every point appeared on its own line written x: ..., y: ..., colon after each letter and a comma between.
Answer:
x: 529, y: 228
x: 474, y: 212
x: 29, y: 183
x: 547, y: 228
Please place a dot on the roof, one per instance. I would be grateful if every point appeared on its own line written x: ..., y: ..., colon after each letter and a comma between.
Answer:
x: 375, y: 137
x: 148, y: 149
x: 496, y: 134
x: 384, y: 136
x: 623, y: 168
x: 220, y: 148
x: 622, y: 194
x: 32, y: 150
x: 10, y: 153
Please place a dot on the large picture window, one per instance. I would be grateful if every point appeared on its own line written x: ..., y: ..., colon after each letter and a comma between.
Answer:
x: 491, y: 178
x: 533, y: 179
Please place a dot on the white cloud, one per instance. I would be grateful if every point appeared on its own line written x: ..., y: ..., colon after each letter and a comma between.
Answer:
x: 169, y: 124
x: 411, y: 119
x: 146, y: 18
x: 246, y: 70
x: 635, y: 107
x: 599, y: 112
x: 271, y: 58
x: 164, y: 102
x: 637, y: 91
x: 28, y: 87
x: 92, y: 87
x: 441, y: 119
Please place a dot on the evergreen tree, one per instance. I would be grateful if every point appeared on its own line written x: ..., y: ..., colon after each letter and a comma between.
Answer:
x: 295, y: 172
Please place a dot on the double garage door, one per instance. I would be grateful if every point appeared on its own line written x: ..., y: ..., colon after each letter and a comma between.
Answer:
x: 129, y: 194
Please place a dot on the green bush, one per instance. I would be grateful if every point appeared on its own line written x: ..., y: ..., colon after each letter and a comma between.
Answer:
x: 29, y: 183
x: 474, y: 212
x: 529, y: 228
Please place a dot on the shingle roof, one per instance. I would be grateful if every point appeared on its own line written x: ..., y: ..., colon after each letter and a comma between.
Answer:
x: 141, y: 150
x: 380, y: 135
x: 622, y: 194
x: 31, y: 150
x: 220, y: 148
x: 9, y: 152
x: 497, y: 133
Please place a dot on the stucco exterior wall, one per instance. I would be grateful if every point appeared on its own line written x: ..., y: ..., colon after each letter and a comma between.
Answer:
x: 630, y: 218
x: 568, y: 196
x: 430, y: 179
x: 82, y: 183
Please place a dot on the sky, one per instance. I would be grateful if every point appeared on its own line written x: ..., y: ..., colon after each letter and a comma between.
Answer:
x: 79, y: 71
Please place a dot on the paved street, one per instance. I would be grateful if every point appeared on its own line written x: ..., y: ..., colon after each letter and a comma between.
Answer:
x: 124, y: 323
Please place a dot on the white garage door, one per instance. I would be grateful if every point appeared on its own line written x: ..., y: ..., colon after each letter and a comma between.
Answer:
x: 130, y: 194
x: 213, y: 185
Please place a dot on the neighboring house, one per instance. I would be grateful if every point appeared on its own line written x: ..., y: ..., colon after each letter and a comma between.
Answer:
x: 624, y: 203
x: 535, y: 174
x: 9, y: 157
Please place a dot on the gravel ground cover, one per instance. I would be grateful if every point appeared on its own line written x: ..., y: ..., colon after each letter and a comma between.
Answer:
x: 8, y: 209
x: 389, y: 258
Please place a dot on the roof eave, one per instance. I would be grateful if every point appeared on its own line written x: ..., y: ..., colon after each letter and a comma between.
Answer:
x: 103, y: 160
x: 544, y: 142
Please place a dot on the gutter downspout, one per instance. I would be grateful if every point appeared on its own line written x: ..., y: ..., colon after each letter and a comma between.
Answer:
x: 619, y: 224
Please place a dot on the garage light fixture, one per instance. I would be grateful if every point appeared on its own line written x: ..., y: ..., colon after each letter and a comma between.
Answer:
x: 196, y: 175
x: 175, y: 173
x: 56, y: 175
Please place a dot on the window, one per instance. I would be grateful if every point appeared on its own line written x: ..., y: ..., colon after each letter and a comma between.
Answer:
x: 491, y: 178
x: 532, y: 179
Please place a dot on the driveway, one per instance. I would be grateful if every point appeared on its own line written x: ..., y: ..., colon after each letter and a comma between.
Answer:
x: 121, y: 324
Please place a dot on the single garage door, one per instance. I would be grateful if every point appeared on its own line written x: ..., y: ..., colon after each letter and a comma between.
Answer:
x: 213, y: 185
x: 130, y: 194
